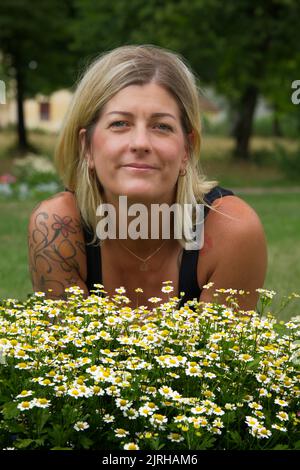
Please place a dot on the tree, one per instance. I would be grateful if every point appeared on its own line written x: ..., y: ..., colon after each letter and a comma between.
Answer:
x: 260, y: 41
x: 33, y: 35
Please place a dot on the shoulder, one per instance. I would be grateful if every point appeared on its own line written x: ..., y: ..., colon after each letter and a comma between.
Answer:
x: 60, y: 202
x: 235, y: 230
x: 231, y: 216
x: 58, y: 216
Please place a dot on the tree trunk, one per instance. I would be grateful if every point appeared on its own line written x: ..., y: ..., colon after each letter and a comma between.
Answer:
x: 22, y: 145
x: 243, y: 127
x: 276, y: 126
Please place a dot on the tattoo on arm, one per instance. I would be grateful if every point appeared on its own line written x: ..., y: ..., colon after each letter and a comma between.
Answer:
x: 52, y: 248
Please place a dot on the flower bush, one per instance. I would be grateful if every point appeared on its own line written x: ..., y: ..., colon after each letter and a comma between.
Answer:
x: 95, y: 373
x: 33, y: 176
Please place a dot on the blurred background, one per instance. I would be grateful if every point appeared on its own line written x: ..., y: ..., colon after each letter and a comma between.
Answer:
x: 246, y: 55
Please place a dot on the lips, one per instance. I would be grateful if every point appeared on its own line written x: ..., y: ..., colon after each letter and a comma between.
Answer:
x: 140, y: 166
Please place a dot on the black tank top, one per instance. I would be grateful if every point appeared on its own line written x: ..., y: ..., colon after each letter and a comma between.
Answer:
x: 188, y: 268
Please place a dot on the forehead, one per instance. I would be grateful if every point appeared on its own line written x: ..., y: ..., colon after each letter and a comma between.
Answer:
x: 151, y: 97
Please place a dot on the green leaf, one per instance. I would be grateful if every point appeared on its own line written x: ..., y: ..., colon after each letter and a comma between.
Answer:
x: 253, y: 364
x: 40, y: 442
x: 85, y: 442
x: 296, y: 445
x: 16, y: 428
x: 61, y: 448
x: 58, y: 435
x: 10, y: 410
x: 23, y: 443
x: 235, y: 437
x: 207, y: 442
x: 45, y: 415
x: 280, y: 447
x: 230, y: 417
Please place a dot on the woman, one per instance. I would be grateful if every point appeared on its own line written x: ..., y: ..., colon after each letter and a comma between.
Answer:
x: 133, y: 129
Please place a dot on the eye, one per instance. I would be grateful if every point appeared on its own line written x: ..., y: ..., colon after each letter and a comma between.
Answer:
x: 161, y: 126
x: 118, y: 124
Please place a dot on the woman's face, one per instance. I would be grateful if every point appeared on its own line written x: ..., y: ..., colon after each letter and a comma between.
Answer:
x: 138, y: 146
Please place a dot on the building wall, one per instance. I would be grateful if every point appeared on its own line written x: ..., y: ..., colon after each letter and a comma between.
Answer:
x: 58, y: 104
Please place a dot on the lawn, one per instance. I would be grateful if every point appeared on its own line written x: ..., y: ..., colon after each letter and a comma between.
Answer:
x: 279, y: 214
x: 14, y: 275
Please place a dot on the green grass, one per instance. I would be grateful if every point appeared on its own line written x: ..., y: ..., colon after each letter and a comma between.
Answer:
x: 262, y: 169
x: 14, y: 275
x: 280, y: 215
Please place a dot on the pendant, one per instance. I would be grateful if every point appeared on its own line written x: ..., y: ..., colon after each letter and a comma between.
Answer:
x: 144, y: 267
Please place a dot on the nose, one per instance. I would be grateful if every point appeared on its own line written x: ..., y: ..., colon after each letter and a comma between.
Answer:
x: 140, y: 140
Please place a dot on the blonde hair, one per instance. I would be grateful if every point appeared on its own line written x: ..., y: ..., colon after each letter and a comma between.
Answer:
x: 106, y: 76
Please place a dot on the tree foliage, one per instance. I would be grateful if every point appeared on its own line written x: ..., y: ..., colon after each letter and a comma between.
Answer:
x: 34, y: 41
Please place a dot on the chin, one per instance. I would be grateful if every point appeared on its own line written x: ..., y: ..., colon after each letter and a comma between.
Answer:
x: 141, y: 193
x: 141, y: 198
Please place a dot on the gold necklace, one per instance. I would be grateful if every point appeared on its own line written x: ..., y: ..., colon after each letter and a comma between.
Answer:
x: 144, y: 265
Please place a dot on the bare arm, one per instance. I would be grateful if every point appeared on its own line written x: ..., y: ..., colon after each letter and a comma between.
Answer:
x: 56, y: 247
x: 240, y: 253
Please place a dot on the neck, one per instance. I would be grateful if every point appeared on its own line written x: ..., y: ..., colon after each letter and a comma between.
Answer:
x: 139, y: 226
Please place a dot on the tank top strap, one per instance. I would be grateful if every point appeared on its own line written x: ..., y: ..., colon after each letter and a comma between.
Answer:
x: 214, y: 194
x: 93, y: 259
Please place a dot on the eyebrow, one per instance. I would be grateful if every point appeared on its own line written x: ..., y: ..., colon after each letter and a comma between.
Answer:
x: 125, y: 113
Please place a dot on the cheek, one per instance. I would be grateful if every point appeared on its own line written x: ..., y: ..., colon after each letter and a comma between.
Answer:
x: 101, y: 153
x: 174, y: 152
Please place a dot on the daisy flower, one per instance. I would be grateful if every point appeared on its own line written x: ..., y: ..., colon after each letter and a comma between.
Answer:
x: 245, y: 358
x: 263, y: 432
x: 130, y: 413
x: 279, y: 428
x: 280, y: 402
x: 131, y: 446
x: 81, y: 426
x: 175, y: 437
x: 41, y: 402
x: 123, y: 404
x: 119, y: 432
x: 25, y: 393
x: 158, y: 420
x: 108, y: 418
x: 120, y: 290
x: 25, y: 405
x: 282, y: 415
x: 252, y: 422
x: 167, y: 289
x: 154, y: 300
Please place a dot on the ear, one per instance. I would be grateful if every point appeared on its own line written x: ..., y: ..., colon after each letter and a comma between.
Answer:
x: 191, y: 139
x: 84, y: 148
x: 183, y: 163
x: 189, y: 144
